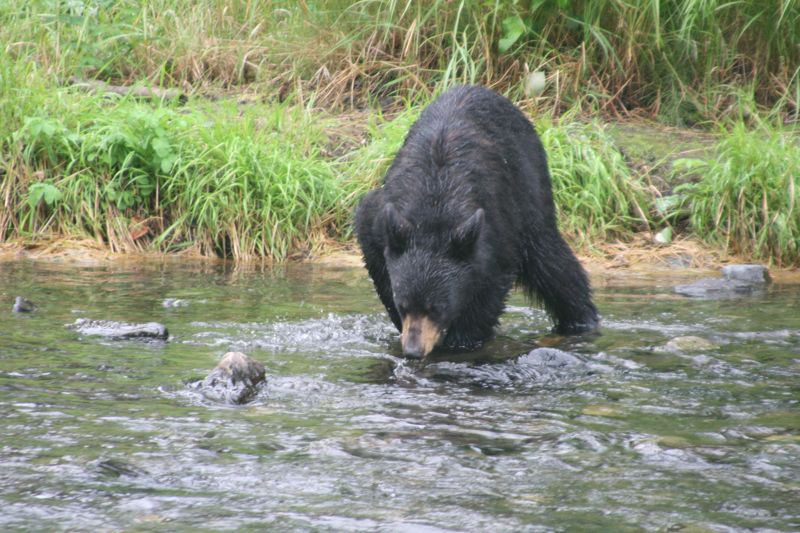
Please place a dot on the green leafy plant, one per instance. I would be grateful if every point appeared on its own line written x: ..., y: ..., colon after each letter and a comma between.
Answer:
x: 44, y: 192
x: 513, y: 29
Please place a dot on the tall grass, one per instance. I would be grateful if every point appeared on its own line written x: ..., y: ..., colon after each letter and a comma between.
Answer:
x: 598, y: 197
x: 251, y: 181
x: 137, y: 177
x: 688, y: 61
x: 748, y: 196
x: 366, y: 166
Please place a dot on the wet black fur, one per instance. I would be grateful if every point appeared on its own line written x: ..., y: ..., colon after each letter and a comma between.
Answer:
x: 428, y: 248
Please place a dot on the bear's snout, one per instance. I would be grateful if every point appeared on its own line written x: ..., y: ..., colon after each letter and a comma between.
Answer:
x: 420, y: 336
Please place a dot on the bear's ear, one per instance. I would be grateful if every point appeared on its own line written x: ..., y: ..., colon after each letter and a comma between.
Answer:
x: 395, y: 228
x: 463, y: 238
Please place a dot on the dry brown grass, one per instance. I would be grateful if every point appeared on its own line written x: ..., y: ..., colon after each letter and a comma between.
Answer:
x: 642, y: 252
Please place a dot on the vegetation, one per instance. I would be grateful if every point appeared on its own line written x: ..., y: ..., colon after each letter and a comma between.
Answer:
x: 241, y: 186
x: 686, y: 60
x: 748, y: 196
x: 598, y: 196
x: 261, y: 157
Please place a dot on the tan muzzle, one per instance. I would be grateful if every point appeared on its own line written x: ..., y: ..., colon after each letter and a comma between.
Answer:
x: 420, y: 336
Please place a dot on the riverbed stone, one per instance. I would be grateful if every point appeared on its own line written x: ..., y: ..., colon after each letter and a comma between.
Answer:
x: 174, y: 302
x: 718, y: 289
x: 120, y: 330
x: 689, y: 343
x: 738, y: 281
x: 235, y: 379
x: 549, y: 357
x: 22, y: 305
x: 605, y: 411
x: 119, y: 468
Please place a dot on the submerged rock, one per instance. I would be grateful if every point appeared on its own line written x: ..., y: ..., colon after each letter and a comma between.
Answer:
x: 118, y: 468
x: 718, y: 289
x: 539, y: 366
x: 689, y: 343
x: 605, y: 411
x: 120, y: 330
x: 21, y: 305
x: 549, y: 357
x: 739, y: 281
x: 174, y: 302
x: 236, y: 379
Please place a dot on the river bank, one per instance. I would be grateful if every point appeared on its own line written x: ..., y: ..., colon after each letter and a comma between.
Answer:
x: 627, y: 263
x: 226, y: 141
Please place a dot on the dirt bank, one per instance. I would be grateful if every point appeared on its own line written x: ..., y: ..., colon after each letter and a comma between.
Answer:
x: 638, y: 260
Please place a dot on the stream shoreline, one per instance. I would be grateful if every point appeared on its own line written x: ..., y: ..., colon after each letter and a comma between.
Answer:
x: 632, y: 261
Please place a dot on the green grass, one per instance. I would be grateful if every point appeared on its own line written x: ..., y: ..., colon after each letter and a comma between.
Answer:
x: 747, y: 197
x: 252, y: 181
x: 366, y: 166
x: 241, y: 186
x: 599, y: 198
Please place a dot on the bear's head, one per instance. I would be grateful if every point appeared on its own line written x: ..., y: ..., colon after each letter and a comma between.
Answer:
x: 431, y: 268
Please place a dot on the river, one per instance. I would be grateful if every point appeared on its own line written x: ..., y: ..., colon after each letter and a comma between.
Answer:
x: 625, y: 434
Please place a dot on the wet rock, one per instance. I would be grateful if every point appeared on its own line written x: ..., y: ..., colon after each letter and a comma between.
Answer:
x: 174, y: 302
x: 120, y: 330
x: 236, y: 379
x: 605, y: 411
x: 542, y: 365
x: 689, y: 343
x: 713, y: 289
x: 118, y: 468
x: 549, y: 357
x: 21, y: 305
x: 755, y: 274
x: 739, y: 281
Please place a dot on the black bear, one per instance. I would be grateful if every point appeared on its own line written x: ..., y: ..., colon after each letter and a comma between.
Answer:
x: 466, y: 209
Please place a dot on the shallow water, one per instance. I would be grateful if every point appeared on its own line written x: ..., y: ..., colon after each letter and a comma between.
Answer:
x: 346, y: 436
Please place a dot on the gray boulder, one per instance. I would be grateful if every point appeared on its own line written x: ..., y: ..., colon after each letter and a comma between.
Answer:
x: 755, y: 274
x: 738, y: 281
